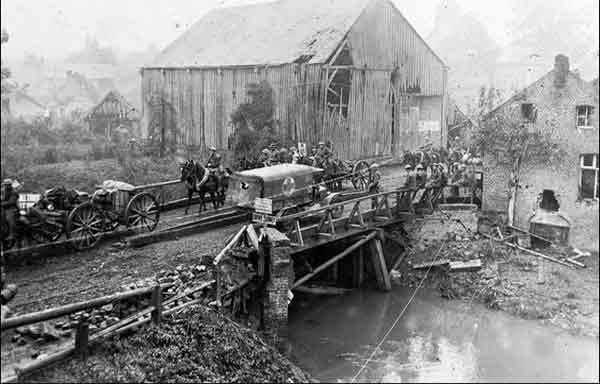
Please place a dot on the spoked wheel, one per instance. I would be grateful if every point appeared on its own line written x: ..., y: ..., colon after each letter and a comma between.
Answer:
x: 85, y: 226
x: 142, y: 213
x: 360, y: 175
x: 46, y: 232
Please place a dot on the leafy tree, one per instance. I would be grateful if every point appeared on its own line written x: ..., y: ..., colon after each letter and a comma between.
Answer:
x: 505, y: 138
x: 254, y: 123
x: 5, y: 74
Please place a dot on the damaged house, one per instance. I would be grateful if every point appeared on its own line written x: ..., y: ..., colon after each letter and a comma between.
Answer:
x: 111, y: 113
x: 558, y: 200
x: 351, y: 71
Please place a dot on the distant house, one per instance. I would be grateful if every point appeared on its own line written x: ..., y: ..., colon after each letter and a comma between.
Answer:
x: 111, y: 113
x: 562, y: 103
x: 351, y: 71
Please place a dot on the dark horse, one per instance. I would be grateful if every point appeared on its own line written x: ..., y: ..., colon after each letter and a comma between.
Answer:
x: 199, y: 180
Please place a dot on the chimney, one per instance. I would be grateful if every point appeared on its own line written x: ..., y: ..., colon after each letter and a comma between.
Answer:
x: 561, y: 70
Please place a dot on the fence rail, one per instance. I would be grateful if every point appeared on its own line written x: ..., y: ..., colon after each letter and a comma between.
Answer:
x: 83, y: 339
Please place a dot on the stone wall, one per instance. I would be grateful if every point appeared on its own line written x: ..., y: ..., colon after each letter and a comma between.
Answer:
x: 277, y: 288
x: 556, y: 111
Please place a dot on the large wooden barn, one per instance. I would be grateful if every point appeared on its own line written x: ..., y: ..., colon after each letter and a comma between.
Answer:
x: 351, y: 71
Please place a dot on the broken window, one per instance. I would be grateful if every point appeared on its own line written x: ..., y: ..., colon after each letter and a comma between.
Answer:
x: 584, y: 114
x: 549, y: 202
x: 589, y: 176
x: 528, y: 112
x: 339, y: 81
x: 338, y: 93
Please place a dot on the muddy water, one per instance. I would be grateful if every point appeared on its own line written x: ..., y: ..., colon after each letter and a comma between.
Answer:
x: 435, y: 340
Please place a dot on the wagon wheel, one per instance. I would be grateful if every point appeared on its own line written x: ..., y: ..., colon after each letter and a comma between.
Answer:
x: 142, y: 213
x: 85, y: 226
x: 360, y: 175
x: 46, y: 232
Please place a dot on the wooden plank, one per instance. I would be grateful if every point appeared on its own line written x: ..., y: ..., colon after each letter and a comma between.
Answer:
x: 157, y: 304
x: 528, y: 251
x: 230, y: 245
x: 381, y: 265
x: 398, y: 261
x: 333, y: 260
x: 54, y: 313
x: 252, y: 236
x: 577, y: 263
x: 299, y: 232
x: 428, y: 264
x: 81, y: 339
x: 321, y: 290
x: 147, y: 311
x: 465, y: 266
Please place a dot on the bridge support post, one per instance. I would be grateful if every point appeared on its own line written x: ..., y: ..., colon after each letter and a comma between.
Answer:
x: 277, y: 287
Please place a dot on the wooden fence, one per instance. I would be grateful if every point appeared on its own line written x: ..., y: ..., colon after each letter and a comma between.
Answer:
x: 83, y: 339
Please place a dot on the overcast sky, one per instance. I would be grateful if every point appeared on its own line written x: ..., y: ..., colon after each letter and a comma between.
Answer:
x: 53, y: 28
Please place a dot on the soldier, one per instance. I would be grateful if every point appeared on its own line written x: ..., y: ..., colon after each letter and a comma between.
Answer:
x: 409, y: 179
x: 421, y: 176
x: 436, y: 176
x: 284, y: 156
x: 10, y: 208
x: 374, y: 178
x: 214, y: 166
x: 214, y: 159
x: 295, y: 155
x: 265, y: 155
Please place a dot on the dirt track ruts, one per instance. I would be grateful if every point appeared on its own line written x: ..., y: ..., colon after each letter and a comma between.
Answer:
x: 64, y: 279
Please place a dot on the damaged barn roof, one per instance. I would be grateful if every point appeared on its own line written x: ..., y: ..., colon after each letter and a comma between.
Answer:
x: 272, y: 33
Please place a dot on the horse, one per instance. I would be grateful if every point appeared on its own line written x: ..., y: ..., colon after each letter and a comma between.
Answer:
x: 199, y: 180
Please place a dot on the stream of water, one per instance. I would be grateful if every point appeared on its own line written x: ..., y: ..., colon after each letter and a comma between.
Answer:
x: 435, y: 340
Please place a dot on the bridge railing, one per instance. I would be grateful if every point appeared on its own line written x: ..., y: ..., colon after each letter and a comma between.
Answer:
x: 379, y: 207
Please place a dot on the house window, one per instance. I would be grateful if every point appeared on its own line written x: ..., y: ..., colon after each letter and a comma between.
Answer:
x: 584, y: 114
x: 528, y: 112
x: 589, y: 176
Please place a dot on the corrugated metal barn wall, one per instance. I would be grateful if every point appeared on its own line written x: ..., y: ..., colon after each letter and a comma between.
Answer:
x: 203, y: 100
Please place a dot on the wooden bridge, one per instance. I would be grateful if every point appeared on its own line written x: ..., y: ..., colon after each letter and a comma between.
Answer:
x: 343, y: 243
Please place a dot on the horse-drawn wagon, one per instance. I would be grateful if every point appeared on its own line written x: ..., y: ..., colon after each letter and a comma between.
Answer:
x: 112, y: 204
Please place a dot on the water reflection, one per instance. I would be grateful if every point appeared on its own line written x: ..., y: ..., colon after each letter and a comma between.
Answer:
x: 434, y: 341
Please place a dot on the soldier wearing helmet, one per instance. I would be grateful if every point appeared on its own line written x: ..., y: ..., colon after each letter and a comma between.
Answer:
x: 295, y: 155
x: 10, y: 208
x: 374, y: 178
x: 264, y: 157
x: 284, y: 156
x: 214, y: 159
x: 409, y: 181
x: 421, y: 176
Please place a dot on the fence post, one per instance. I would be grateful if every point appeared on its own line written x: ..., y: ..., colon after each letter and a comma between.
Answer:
x: 540, y: 277
x: 157, y: 304
x: 81, y: 339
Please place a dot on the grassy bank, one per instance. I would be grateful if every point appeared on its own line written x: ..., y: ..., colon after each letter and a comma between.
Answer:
x: 567, y: 297
x: 197, y: 345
